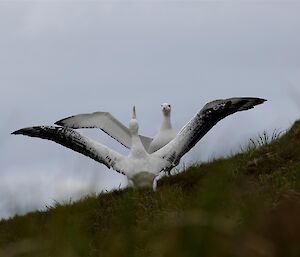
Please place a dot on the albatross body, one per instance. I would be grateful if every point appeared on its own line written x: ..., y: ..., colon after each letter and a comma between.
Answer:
x: 114, y: 128
x: 139, y: 166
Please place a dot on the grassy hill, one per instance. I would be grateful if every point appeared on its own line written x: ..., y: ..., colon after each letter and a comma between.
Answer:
x: 245, y: 205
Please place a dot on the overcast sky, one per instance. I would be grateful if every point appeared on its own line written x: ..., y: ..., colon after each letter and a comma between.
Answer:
x: 59, y: 58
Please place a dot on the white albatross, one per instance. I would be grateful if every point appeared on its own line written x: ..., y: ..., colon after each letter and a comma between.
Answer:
x: 166, y: 132
x: 114, y: 128
x: 140, y: 167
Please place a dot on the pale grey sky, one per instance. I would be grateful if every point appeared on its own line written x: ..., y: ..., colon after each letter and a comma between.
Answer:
x: 59, y: 58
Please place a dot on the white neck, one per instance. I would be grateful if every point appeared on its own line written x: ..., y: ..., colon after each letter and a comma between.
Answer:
x: 137, y: 148
x: 166, y: 122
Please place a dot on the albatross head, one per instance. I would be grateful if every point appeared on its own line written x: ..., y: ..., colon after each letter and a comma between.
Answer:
x: 133, y: 124
x: 166, y: 108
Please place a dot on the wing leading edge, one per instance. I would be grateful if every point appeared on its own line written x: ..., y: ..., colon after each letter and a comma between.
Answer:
x: 107, y: 123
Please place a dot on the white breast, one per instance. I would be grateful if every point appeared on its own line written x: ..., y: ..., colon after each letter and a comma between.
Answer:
x: 162, y: 138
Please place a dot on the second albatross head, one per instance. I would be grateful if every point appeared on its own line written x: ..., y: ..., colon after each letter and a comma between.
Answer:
x: 166, y: 109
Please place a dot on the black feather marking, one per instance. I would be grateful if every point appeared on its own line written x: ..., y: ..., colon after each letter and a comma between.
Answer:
x: 66, y: 137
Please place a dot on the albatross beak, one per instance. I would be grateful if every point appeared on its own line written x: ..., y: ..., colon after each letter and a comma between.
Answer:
x: 134, y: 113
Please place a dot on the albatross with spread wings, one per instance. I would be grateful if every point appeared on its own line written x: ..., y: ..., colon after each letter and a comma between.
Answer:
x: 114, y: 128
x: 139, y: 166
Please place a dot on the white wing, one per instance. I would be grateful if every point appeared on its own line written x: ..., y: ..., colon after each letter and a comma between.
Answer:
x: 200, y: 124
x: 73, y: 140
x: 107, y: 123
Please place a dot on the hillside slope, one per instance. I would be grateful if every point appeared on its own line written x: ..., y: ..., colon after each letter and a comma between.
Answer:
x: 245, y: 205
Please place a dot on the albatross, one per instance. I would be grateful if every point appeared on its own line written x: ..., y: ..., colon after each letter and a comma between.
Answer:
x: 114, y: 128
x: 139, y: 166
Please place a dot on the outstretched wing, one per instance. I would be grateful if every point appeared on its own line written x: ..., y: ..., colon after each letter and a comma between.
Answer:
x: 201, y: 123
x: 73, y: 140
x: 107, y: 123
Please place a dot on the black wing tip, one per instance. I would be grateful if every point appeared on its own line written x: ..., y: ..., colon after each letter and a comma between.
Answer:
x: 248, y: 100
x: 263, y: 100
x: 29, y: 131
x: 255, y: 100
x: 259, y: 100
x: 24, y: 131
x: 61, y: 122
x: 17, y: 132
x: 248, y: 103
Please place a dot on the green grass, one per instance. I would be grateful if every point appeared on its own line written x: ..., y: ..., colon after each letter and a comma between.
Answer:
x: 245, y: 205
